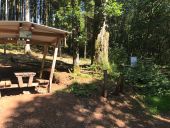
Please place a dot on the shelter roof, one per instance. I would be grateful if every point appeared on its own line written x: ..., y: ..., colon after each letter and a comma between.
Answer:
x: 40, y: 34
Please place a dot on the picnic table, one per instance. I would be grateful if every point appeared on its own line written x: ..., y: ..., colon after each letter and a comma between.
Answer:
x: 6, y: 84
x: 20, y: 77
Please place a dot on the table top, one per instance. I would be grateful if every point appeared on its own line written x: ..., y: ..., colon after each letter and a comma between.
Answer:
x: 25, y: 74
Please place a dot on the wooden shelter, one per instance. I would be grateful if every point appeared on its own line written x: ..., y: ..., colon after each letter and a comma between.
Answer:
x: 32, y: 33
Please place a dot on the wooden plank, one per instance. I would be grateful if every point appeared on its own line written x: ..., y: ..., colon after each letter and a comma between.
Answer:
x: 43, y: 60
x: 53, y: 68
x: 25, y: 74
x: 17, y: 86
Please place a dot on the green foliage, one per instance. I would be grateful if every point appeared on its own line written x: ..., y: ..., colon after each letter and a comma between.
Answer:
x: 82, y: 90
x: 118, y: 55
x: 148, y: 78
x: 157, y: 104
x: 113, y: 8
x: 12, y: 47
x: 80, y: 75
x: 118, y: 58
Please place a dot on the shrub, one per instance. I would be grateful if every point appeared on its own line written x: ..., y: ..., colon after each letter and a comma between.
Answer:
x: 148, y: 78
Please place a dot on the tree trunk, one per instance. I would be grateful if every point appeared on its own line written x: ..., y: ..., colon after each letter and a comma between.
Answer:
x: 6, y: 10
x: 75, y: 34
x: 27, y: 46
x: 76, y: 67
x: 101, y: 48
x: 100, y: 36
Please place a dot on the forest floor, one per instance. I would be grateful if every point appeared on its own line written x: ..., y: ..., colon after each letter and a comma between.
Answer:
x: 62, y: 109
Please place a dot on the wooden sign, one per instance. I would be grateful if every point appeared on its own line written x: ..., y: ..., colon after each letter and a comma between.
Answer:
x: 21, y: 42
x: 25, y: 34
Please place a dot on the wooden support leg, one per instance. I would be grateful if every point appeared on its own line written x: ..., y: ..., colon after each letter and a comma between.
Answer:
x: 20, y: 81
x: 43, y: 60
x: 52, y: 68
x: 30, y: 81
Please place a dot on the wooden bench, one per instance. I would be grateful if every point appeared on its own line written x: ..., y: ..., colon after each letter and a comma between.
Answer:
x: 5, y: 83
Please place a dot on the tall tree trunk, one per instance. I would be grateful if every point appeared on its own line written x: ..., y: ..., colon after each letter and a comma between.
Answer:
x: 46, y: 12
x: 6, y: 10
x: 27, y: 46
x: 0, y: 10
x: 75, y: 34
x: 101, y: 47
x: 6, y: 18
x: 100, y: 36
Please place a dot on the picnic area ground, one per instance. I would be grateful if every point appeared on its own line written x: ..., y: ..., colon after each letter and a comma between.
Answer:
x: 62, y: 109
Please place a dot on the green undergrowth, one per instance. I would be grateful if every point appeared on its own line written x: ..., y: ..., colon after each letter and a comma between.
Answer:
x: 157, y: 104
x: 80, y: 75
x: 82, y: 90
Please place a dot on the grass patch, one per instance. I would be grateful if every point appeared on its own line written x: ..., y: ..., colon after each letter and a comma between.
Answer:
x: 80, y: 75
x: 82, y: 90
x: 158, y: 104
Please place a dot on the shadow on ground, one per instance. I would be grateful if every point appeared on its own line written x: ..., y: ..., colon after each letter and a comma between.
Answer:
x: 64, y: 110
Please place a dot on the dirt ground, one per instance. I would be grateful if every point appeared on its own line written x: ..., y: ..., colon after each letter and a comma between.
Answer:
x: 64, y: 110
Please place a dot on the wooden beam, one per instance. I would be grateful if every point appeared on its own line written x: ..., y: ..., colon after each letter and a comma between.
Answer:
x: 43, y: 60
x: 13, y: 31
x: 29, y: 42
x: 6, y: 30
x: 47, y: 34
x: 53, y: 68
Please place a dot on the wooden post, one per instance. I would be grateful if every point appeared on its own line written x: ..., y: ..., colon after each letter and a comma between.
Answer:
x: 30, y: 80
x: 20, y: 81
x: 5, y: 48
x: 59, y: 50
x: 43, y: 60
x: 85, y: 50
x: 104, y: 90
x: 53, y: 68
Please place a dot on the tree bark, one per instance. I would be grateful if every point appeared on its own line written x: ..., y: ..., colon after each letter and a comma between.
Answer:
x: 27, y: 46
x: 100, y: 36
x: 101, y: 47
x: 75, y: 34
